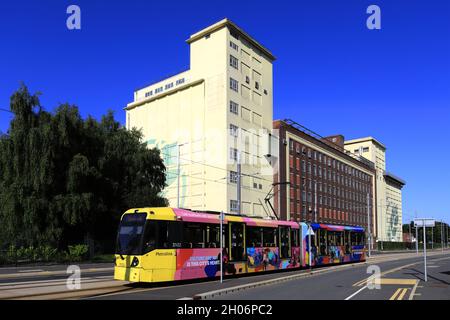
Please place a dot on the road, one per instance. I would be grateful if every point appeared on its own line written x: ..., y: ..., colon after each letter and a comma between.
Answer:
x: 402, y: 278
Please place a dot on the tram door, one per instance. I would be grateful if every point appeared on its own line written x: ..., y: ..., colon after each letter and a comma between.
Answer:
x: 236, y: 241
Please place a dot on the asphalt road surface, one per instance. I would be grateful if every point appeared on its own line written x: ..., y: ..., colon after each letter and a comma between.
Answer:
x: 400, y: 280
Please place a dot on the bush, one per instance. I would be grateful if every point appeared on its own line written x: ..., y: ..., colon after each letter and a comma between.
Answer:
x: 47, y: 253
x: 77, y: 252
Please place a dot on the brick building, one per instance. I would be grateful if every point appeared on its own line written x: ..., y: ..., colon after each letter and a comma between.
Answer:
x: 317, y: 180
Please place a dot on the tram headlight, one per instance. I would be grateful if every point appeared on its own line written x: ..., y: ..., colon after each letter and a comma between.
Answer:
x: 135, y: 262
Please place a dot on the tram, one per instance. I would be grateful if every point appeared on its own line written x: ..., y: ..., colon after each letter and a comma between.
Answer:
x: 168, y: 244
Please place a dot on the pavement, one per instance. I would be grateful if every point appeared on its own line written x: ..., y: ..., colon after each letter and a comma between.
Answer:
x: 336, y: 282
x: 44, y: 282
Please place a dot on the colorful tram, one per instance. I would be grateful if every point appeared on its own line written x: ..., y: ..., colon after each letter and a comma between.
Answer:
x: 165, y: 244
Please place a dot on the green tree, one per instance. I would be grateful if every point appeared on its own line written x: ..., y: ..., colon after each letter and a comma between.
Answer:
x: 64, y: 178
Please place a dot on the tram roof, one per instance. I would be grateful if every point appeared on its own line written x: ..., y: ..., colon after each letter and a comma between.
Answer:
x: 190, y: 216
x: 331, y: 227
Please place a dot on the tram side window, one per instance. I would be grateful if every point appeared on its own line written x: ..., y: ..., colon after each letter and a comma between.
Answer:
x: 150, y: 243
x: 346, y: 241
x: 284, y: 242
x: 162, y: 235
x: 269, y: 237
x: 194, y: 235
x: 294, y: 238
x: 331, y: 238
x: 168, y: 235
x: 254, y: 237
x: 357, y: 239
x: 338, y: 238
x: 237, y: 242
x: 321, y: 235
x: 212, y: 236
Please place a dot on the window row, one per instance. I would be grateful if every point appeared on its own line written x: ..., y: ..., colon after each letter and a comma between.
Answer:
x: 166, y: 87
x: 329, y: 161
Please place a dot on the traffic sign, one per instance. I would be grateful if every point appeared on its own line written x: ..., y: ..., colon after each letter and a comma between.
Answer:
x: 428, y: 223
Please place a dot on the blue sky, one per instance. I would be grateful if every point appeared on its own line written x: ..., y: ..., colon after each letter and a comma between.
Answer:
x: 332, y: 75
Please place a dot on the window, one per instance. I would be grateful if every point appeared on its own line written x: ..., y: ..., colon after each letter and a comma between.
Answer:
x: 294, y: 238
x: 234, y: 46
x: 234, y: 130
x: 254, y: 237
x: 234, y: 62
x: 233, y: 206
x: 148, y: 94
x: 130, y: 234
x: 269, y: 237
x: 180, y: 81
x: 284, y: 242
x: 234, y: 107
x: 158, y: 90
x: 356, y: 239
x: 194, y: 235
x: 233, y: 177
x: 234, y: 34
x: 234, y: 85
x: 162, y: 235
x: 247, y: 79
x: 237, y: 241
x: 233, y: 154
x: 257, y: 85
x: 169, y: 85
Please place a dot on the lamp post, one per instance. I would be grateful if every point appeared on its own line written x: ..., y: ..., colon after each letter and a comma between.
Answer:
x: 369, y: 236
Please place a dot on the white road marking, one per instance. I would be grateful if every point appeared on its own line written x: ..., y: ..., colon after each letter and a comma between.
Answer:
x: 25, y: 271
x: 348, y: 298
x: 413, y: 291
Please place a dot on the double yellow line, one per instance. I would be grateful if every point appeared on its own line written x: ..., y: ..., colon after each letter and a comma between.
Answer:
x: 399, y: 294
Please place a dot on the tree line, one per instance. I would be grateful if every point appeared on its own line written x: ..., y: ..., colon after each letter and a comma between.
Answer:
x: 65, y: 179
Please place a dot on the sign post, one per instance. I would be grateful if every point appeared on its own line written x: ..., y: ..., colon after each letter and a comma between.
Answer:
x: 424, y: 223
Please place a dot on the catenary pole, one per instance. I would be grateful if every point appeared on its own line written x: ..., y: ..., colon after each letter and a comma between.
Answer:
x: 425, y: 250
x: 368, y: 224
x: 315, y: 201
x: 309, y: 245
x: 239, y: 184
x: 221, y: 247
x: 417, y: 238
